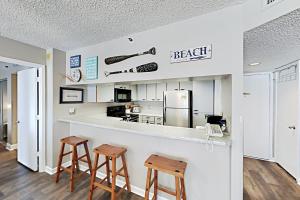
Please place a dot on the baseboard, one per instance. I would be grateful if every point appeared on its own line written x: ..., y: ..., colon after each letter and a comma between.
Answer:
x: 134, y: 189
x: 52, y: 171
x: 11, y: 147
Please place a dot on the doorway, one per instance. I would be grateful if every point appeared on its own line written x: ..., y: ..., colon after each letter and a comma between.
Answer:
x: 25, y: 111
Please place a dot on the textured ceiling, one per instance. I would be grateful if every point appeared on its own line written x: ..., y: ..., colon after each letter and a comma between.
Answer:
x: 69, y: 24
x: 273, y: 44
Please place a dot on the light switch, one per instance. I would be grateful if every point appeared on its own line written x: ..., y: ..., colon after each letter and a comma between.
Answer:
x: 72, y: 111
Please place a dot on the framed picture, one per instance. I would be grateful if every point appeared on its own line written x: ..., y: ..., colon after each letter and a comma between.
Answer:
x: 70, y: 95
x: 75, y: 61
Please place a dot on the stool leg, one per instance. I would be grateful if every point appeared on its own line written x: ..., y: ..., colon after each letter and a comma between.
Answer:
x: 93, y: 177
x: 155, y: 184
x: 107, y: 169
x: 73, y: 168
x: 113, y: 185
x: 148, y: 182
x: 183, y: 189
x: 177, y: 188
x: 76, y: 159
x: 126, y: 173
x: 88, y: 157
x: 59, y: 162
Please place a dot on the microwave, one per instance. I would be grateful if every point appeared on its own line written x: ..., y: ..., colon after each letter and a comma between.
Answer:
x: 122, y: 95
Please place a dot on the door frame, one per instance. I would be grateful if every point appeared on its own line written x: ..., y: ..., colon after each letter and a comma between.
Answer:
x: 42, y: 131
x: 272, y: 114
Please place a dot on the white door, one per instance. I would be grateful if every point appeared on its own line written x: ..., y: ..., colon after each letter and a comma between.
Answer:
x: 27, y: 118
x: 287, y: 107
x: 257, y: 121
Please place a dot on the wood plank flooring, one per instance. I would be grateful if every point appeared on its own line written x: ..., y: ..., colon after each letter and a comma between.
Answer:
x: 19, y: 183
x: 268, y: 181
x: 262, y: 181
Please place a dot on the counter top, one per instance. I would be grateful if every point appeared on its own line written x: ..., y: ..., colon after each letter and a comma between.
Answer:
x: 178, y: 133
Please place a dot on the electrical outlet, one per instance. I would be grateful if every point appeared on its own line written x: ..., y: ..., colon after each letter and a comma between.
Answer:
x: 72, y: 111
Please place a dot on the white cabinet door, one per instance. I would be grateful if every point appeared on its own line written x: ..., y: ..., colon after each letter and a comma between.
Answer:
x: 203, y: 101
x: 256, y: 113
x: 160, y: 88
x: 287, y: 132
x: 105, y: 93
x: 173, y: 85
x: 142, y: 92
x: 133, y: 89
x: 186, y: 85
x: 91, y: 93
x: 151, y: 92
x: 27, y: 118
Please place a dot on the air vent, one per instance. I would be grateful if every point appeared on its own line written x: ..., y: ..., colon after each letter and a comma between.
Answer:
x: 269, y: 3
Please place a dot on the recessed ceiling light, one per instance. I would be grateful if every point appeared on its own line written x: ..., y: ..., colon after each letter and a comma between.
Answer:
x: 254, y: 64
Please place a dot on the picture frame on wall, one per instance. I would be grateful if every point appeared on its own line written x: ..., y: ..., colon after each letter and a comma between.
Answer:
x: 70, y: 95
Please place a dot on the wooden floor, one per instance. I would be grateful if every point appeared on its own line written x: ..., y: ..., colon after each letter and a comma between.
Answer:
x: 267, y: 181
x: 19, y: 183
x: 262, y: 181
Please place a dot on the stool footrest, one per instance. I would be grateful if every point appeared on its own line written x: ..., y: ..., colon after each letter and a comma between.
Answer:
x: 66, y: 169
x: 67, y: 153
x: 101, y: 165
x: 118, y: 173
x: 104, y: 187
x: 81, y: 173
x: 166, y: 190
x: 79, y: 158
x: 83, y: 160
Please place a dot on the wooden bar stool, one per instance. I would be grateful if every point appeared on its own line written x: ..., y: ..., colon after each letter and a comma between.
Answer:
x: 74, y: 142
x: 111, y: 153
x: 169, y: 166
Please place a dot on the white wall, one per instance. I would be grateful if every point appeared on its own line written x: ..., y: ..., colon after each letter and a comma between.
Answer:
x: 255, y: 14
x: 223, y: 29
x: 20, y: 51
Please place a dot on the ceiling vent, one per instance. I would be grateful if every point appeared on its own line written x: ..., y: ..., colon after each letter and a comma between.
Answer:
x: 269, y: 3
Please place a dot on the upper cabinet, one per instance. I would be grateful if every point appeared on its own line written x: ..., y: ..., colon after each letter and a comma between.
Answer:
x: 91, y: 93
x: 133, y: 89
x: 105, y: 93
x: 151, y: 92
x: 173, y: 86
x: 160, y: 88
x: 142, y: 92
x: 186, y: 85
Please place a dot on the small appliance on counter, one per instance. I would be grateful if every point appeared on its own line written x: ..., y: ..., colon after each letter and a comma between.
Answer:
x: 136, y: 109
x: 216, y: 120
x: 120, y: 112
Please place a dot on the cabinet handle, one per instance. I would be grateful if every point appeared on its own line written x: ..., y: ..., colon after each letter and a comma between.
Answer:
x: 196, y: 113
x: 158, y: 99
x: 175, y: 89
x: 196, y: 110
x: 143, y: 99
x: 153, y: 99
x: 182, y: 89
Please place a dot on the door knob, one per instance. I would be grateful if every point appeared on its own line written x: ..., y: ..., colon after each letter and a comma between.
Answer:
x: 18, y: 122
x: 292, y: 127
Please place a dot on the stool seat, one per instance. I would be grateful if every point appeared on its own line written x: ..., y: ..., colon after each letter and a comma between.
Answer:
x: 167, y: 165
x: 109, y: 150
x: 73, y: 140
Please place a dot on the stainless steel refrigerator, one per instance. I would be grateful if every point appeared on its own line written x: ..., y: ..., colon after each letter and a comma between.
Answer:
x: 178, y: 108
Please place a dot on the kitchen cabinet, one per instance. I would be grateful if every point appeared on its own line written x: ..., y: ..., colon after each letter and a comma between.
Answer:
x: 186, y: 85
x: 105, y: 93
x: 148, y: 119
x: 151, y: 92
x: 142, y: 92
x: 91, y: 93
x: 160, y: 88
x: 203, y: 101
x: 159, y: 120
x: 173, y: 85
x: 133, y: 89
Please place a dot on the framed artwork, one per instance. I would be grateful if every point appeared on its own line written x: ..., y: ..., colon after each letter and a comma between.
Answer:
x: 70, y: 95
x: 75, y: 61
x: 91, y: 68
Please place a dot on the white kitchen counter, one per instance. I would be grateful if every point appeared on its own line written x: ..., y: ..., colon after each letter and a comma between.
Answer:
x: 170, y: 132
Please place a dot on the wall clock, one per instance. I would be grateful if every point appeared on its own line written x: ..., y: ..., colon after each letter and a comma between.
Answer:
x: 76, y: 75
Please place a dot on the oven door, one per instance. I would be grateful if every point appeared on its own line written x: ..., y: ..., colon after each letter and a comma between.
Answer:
x: 122, y: 95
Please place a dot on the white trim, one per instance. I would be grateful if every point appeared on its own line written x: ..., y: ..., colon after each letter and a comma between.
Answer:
x: 42, y: 136
x: 11, y: 147
x: 134, y: 189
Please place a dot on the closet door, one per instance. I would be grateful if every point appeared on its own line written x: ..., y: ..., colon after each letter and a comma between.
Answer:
x: 287, y: 134
x: 257, y: 118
